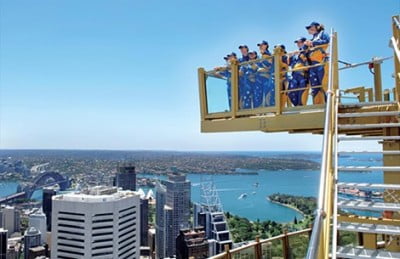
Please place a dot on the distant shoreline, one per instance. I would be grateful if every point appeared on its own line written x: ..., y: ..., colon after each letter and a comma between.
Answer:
x: 287, y: 206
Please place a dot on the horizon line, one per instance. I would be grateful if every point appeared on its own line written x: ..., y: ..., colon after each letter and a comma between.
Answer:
x: 147, y: 150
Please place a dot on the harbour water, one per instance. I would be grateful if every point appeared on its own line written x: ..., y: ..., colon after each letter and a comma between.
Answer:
x: 255, y: 205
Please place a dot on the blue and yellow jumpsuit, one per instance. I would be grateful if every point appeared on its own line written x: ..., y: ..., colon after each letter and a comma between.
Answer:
x: 298, y: 79
x: 316, y: 74
x: 264, y: 79
x: 244, y: 86
x: 255, y: 88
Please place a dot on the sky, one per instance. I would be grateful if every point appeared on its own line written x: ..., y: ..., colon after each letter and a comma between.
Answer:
x: 100, y: 74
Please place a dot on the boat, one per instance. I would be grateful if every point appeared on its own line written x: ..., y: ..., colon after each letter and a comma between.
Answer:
x: 242, y: 196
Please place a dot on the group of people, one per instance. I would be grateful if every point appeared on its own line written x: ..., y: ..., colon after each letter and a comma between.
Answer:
x: 256, y: 72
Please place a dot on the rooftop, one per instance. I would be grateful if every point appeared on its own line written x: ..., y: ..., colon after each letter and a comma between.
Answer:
x: 96, y: 194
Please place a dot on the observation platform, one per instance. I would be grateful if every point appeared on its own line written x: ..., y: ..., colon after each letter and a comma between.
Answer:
x: 349, y: 113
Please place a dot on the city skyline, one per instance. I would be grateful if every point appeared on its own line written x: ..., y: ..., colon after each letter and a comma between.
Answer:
x: 106, y: 77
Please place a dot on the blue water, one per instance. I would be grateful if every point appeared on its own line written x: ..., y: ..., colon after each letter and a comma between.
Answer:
x: 256, y: 206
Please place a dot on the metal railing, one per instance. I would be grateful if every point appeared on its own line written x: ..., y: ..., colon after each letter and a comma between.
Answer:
x: 319, y: 241
x: 278, y: 75
x: 262, y: 248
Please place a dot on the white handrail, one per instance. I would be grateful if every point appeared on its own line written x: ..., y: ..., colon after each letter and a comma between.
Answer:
x: 320, y: 216
x: 336, y: 178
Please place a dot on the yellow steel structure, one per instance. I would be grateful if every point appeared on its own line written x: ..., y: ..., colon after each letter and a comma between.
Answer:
x: 374, y: 115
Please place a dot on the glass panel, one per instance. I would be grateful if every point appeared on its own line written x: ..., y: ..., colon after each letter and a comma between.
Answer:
x: 248, y: 253
x: 298, y: 246
x: 272, y: 249
x: 256, y: 84
x: 218, y: 89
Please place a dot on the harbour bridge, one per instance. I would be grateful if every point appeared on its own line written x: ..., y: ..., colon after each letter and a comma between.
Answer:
x: 42, y: 180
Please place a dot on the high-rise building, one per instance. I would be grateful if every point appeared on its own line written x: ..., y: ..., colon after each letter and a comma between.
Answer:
x: 192, y: 243
x: 216, y: 230
x: 10, y: 219
x: 126, y: 177
x: 210, y: 215
x: 144, y: 220
x: 101, y: 222
x: 172, y: 212
x: 161, y: 193
x: 48, y: 193
x: 3, y: 243
x: 38, y: 220
x: 31, y: 239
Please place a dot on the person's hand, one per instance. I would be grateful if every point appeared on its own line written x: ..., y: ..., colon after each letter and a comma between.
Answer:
x: 308, y: 43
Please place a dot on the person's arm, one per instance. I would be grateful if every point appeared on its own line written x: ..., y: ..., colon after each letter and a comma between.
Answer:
x: 218, y: 72
x: 321, y: 39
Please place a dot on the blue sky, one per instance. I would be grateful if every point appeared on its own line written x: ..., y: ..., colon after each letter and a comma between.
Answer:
x: 123, y: 74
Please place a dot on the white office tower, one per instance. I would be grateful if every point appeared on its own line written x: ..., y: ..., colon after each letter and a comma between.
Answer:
x: 38, y: 221
x: 101, y: 222
x: 9, y: 219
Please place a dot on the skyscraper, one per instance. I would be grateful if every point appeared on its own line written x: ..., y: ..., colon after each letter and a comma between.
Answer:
x: 172, y: 212
x: 216, y: 230
x: 144, y: 219
x: 38, y: 220
x: 161, y: 193
x: 48, y: 193
x: 98, y: 222
x: 10, y: 219
x: 3, y: 243
x: 126, y: 177
x: 31, y: 239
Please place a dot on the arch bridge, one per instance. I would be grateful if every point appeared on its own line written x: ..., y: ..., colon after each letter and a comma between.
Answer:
x: 42, y: 180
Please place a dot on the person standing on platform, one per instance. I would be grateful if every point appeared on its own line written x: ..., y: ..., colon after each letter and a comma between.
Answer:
x: 264, y: 74
x: 244, y: 88
x: 225, y: 73
x: 298, y: 79
x: 245, y: 53
x: 256, y: 89
x: 317, y: 54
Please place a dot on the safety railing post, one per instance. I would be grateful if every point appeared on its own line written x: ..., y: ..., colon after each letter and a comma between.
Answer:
x: 386, y: 95
x: 257, y: 248
x: 396, y: 37
x: 234, y: 88
x: 202, y: 92
x: 278, y: 79
x: 228, y: 253
x: 335, y: 62
x: 285, y: 245
x: 378, y: 81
